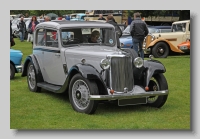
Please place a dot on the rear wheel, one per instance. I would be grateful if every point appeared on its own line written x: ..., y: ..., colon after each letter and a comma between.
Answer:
x: 79, y: 91
x: 31, y: 78
x: 157, y: 82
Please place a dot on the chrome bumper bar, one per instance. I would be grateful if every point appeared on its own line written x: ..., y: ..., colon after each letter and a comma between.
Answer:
x: 128, y: 95
x: 19, y: 68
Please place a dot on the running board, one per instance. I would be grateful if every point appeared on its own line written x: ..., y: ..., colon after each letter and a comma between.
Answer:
x: 49, y: 87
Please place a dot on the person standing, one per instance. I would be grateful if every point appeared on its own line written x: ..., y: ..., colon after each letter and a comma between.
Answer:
x: 31, y: 27
x: 22, y: 29
x: 113, y: 18
x: 139, y: 31
x: 101, y: 17
x: 117, y: 28
x: 47, y: 18
x: 67, y: 17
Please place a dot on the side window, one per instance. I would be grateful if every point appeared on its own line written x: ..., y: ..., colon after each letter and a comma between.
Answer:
x: 40, y: 37
x: 51, y: 38
x: 189, y: 26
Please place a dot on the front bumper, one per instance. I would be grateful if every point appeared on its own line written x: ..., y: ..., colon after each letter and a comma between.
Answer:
x: 138, y: 93
x: 184, y: 49
x: 19, y: 68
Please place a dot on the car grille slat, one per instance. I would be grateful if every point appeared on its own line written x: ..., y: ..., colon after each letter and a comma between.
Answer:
x: 121, y: 73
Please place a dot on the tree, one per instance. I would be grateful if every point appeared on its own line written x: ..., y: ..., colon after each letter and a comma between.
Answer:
x: 44, y: 12
x: 183, y: 14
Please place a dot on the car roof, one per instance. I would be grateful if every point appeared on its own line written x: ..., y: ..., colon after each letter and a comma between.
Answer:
x: 160, y: 27
x: 183, y: 21
x: 65, y: 23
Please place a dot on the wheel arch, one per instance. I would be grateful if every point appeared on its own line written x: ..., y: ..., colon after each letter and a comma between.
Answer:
x: 32, y: 58
x: 162, y: 41
x: 88, y: 72
x: 153, y: 67
x: 13, y: 66
x: 171, y: 47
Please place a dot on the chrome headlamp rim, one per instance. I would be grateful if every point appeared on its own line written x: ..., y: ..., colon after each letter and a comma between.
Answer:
x: 138, y: 62
x: 105, y: 64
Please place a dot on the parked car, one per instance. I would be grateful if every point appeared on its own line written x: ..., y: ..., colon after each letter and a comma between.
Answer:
x: 92, y: 73
x: 15, y: 62
x: 185, y: 46
x: 126, y: 39
x: 162, y: 44
x: 79, y: 17
x: 12, y: 17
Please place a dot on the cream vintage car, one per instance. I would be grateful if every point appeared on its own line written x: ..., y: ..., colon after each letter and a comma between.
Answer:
x: 161, y: 44
x: 64, y: 61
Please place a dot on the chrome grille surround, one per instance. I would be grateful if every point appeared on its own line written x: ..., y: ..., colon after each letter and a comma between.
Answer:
x: 121, y: 73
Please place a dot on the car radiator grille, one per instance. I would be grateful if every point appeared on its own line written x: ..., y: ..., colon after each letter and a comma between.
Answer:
x: 121, y: 74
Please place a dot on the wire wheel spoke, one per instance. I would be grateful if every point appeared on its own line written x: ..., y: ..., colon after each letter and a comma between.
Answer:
x: 80, y: 94
x: 31, y: 77
x: 153, y: 86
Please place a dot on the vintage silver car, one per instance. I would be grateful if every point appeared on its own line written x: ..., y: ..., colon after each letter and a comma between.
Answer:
x: 65, y: 61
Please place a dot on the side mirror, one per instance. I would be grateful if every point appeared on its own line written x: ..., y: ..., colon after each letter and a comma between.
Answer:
x: 117, y: 40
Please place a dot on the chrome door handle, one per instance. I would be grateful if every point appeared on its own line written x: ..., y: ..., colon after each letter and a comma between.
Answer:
x: 57, y: 54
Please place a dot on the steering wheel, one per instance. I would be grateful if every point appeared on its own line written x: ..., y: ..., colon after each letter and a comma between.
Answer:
x: 73, y: 39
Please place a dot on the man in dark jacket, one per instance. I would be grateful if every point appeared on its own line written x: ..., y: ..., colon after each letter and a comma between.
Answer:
x: 139, y: 31
x: 22, y: 29
x: 117, y: 28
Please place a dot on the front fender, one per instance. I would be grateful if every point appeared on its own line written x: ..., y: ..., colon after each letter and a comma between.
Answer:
x: 32, y: 58
x: 172, y: 47
x: 88, y: 72
x: 153, y: 67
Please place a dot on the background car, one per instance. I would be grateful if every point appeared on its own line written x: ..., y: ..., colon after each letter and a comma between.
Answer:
x: 15, y: 62
x: 126, y: 39
x: 79, y: 17
x: 15, y: 22
x: 185, y: 46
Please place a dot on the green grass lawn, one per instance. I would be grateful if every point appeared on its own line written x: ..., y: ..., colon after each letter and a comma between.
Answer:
x: 47, y: 110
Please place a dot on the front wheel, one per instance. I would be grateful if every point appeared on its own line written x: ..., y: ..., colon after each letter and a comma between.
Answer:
x: 160, y: 50
x: 79, y: 91
x: 31, y: 78
x: 12, y: 71
x: 157, y: 82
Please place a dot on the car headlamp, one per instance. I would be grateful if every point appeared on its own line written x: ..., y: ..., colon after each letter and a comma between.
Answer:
x: 138, y: 62
x: 105, y: 64
x: 152, y: 37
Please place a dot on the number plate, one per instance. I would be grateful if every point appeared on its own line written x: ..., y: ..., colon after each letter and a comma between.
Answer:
x: 133, y: 101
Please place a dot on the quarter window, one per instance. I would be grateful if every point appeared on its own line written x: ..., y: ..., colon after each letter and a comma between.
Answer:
x: 51, y: 38
x: 40, y: 37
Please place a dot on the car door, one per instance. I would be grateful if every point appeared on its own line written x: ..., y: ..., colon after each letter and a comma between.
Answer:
x: 53, y: 66
x: 39, y: 44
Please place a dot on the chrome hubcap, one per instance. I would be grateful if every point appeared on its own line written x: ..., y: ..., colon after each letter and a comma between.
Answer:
x: 155, y: 87
x: 80, y: 94
x: 161, y: 50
